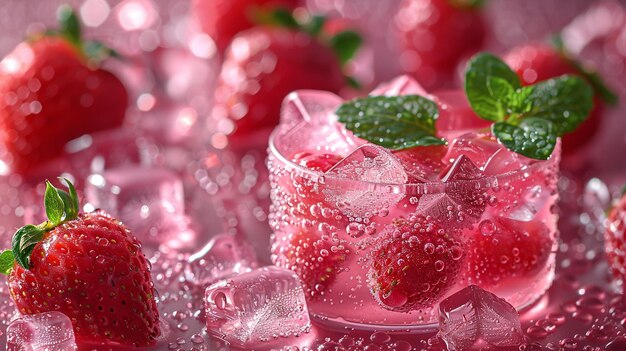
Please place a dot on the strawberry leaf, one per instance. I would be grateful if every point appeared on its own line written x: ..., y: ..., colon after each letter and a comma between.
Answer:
x: 55, y: 208
x: 485, y: 76
x: 345, y: 45
x: 398, y: 122
x: 533, y: 137
x: 70, y: 200
x: 6, y: 262
x: 24, y: 241
x: 315, y: 25
x: 69, y: 25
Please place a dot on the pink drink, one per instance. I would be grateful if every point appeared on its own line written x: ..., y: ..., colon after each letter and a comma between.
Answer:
x: 380, y: 238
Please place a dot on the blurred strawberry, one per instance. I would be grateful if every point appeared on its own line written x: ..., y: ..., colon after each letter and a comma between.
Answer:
x: 266, y: 63
x: 504, y: 248
x: 223, y: 19
x: 615, y: 242
x: 538, y: 62
x: 436, y: 35
x: 417, y: 263
x: 54, y: 92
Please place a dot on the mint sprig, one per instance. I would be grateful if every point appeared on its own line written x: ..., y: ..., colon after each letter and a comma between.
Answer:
x: 60, y: 207
x: 398, y: 122
x: 528, y: 119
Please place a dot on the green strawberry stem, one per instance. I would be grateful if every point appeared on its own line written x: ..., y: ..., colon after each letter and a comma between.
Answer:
x: 589, y: 74
x: 60, y: 207
x: 344, y: 44
x: 467, y: 4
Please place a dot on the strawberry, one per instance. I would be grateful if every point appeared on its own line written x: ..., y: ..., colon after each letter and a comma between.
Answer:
x: 223, y: 19
x: 503, y: 248
x: 265, y: 64
x: 615, y: 246
x: 435, y: 35
x: 52, y: 93
x: 415, y: 265
x: 87, y: 266
x: 316, y: 260
x: 538, y: 62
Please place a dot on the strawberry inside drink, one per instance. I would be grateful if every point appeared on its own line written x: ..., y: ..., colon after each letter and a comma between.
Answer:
x: 378, y: 208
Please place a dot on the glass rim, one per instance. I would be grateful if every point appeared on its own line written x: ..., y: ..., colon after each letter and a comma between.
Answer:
x: 487, y: 182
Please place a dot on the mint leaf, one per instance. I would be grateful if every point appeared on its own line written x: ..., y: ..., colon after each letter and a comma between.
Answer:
x: 398, y: 122
x: 69, y: 25
x: 24, y: 241
x: 533, y: 137
x: 486, y: 74
x: 345, y: 45
x: 566, y: 101
x: 315, y: 25
x: 54, y: 204
x: 6, y: 262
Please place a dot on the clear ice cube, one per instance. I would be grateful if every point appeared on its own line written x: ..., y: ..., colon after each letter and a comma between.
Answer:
x: 368, y: 163
x: 462, y: 203
x: 478, y: 148
x: 223, y: 256
x: 50, y: 331
x: 311, y: 117
x: 261, y: 305
x: 475, y: 319
x: 150, y: 201
x: 403, y: 85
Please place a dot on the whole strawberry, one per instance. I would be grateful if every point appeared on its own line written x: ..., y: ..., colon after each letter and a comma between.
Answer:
x: 54, y: 92
x: 538, y: 62
x: 415, y: 265
x: 223, y: 19
x: 87, y: 266
x: 436, y: 35
x: 615, y: 242
x: 266, y: 63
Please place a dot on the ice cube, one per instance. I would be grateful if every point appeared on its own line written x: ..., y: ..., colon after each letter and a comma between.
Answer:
x: 310, y: 116
x: 504, y: 161
x: 534, y: 200
x: 223, y: 256
x: 403, y: 85
x: 368, y: 163
x: 462, y: 203
x: 257, y: 306
x: 50, y: 331
x: 478, y: 148
x: 475, y: 319
x: 149, y: 200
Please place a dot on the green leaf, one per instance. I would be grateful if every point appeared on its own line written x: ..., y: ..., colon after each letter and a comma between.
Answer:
x: 279, y: 17
x: 315, y: 25
x: 566, y: 101
x: 480, y: 74
x: 24, y: 241
x: 69, y: 25
x: 353, y: 82
x: 467, y: 4
x: 345, y: 45
x: 54, y: 204
x: 398, y: 122
x: 533, y: 137
x: 70, y: 200
x: 6, y: 262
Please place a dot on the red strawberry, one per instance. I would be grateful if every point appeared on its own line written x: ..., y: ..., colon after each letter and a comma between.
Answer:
x: 316, y: 260
x: 87, y: 266
x: 504, y: 248
x: 265, y: 64
x: 615, y: 246
x: 415, y: 266
x: 52, y: 93
x: 310, y: 197
x: 538, y: 62
x: 223, y: 19
x: 435, y: 35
